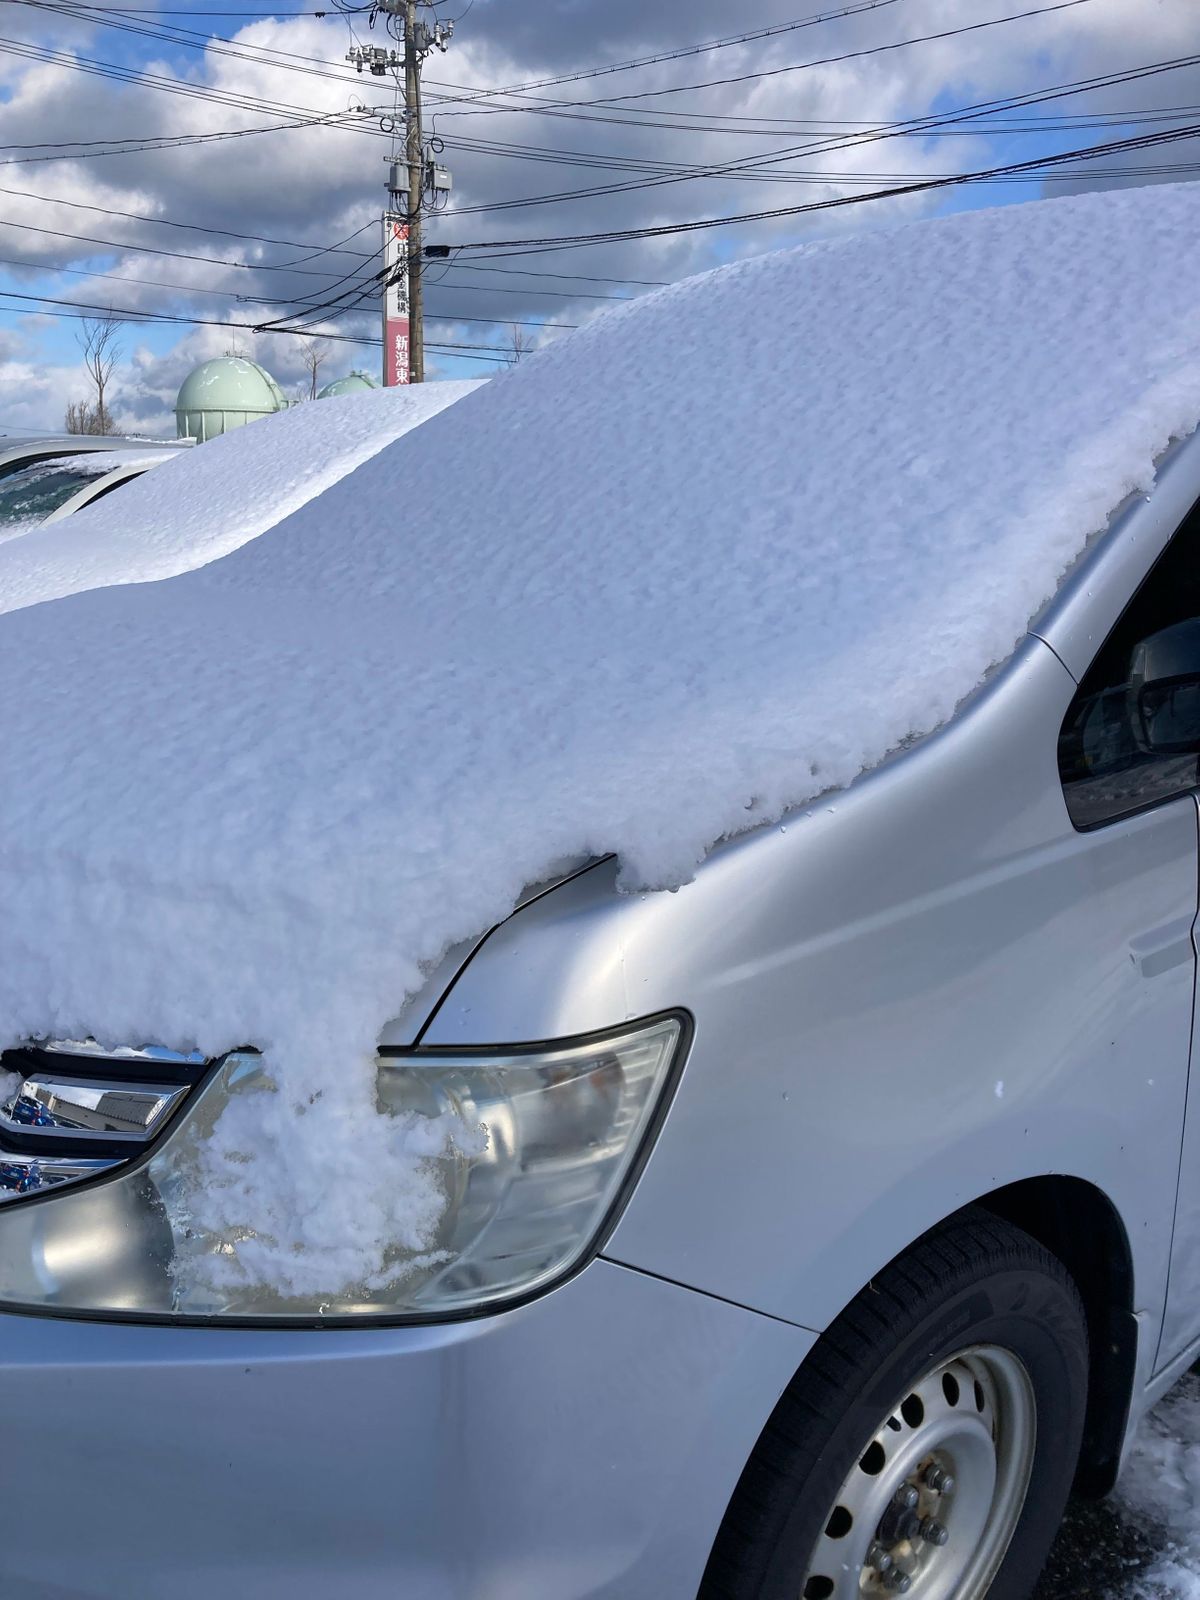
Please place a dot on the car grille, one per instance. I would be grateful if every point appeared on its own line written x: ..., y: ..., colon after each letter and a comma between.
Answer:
x: 77, y: 1110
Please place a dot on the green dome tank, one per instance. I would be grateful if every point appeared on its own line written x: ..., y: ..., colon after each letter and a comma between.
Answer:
x: 223, y: 394
x: 353, y: 383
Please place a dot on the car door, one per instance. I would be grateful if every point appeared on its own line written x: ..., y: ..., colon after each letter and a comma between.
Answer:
x: 1116, y: 761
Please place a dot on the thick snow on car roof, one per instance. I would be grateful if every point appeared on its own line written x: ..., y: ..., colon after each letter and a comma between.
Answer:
x: 717, y: 552
x: 215, y: 498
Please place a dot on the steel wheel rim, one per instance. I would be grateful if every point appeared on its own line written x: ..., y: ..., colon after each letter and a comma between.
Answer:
x: 930, y: 1506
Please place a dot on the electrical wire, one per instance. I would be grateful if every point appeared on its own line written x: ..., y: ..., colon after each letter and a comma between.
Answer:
x: 159, y: 250
x: 847, y: 55
x: 702, y: 48
x: 612, y: 162
x: 581, y: 277
x: 173, y: 11
x: 198, y: 292
x: 666, y: 120
x: 188, y: 38
x: 943, y: 120
x: 200, y: 227
x: 83, y: 310
x: 134, y: 77
x: 616, y: 102
x: 217, y: 261
x: 665, y: 230
x: 178, y: 141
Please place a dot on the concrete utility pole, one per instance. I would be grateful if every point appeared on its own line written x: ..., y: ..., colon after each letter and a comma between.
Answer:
x: 412, y: 177
x: 416, y: 188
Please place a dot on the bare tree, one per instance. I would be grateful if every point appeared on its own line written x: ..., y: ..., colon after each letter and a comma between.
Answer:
x: 98, y: 338
x: 313, y: 352
x: 80, y: 417
x: 520, y: 340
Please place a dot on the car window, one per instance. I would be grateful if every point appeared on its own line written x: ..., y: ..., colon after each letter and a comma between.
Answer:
x: 1105, y: 768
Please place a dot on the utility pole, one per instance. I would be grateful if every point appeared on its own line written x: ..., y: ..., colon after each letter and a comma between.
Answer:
x: 416, y: 188
x: 412, y: 177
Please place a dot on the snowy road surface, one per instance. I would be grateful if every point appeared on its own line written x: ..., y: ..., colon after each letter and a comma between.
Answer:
x: 1144, y: 1543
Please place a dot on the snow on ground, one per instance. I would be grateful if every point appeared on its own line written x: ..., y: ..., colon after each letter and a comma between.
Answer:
x: 1160, y: 1487
x: 1144, y: 1542
x: 214, y: 497
x: 645, y: 590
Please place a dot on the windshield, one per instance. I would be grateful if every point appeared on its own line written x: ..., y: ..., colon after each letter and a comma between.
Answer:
x: 29, y: 496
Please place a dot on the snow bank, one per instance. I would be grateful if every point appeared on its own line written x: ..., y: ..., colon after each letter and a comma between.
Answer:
x: 718, y: 551
x: 214, y: 497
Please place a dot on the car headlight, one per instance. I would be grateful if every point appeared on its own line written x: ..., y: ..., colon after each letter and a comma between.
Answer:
x: 554, y: 1134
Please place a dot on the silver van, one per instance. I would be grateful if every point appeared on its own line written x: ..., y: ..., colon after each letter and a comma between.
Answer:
x: 846, y: 1214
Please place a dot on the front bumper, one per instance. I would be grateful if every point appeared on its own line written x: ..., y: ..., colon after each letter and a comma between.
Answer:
x: 582, y: 1447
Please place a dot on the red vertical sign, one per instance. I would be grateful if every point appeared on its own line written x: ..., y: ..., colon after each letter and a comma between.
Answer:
x: 395, y: 302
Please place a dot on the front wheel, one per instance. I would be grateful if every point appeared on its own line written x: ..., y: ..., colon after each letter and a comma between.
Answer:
x: 927, y: 1446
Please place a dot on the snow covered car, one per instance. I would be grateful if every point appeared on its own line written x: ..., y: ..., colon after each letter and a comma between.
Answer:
x: 212, y: 501
x: 48, y: 479
x: 608, y: 1016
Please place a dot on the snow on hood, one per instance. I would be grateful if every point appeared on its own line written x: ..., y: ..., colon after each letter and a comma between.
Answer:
x: 717, y: 552
x: 215, y: 497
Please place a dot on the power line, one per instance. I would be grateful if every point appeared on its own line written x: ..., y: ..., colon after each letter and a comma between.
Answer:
x: 825, y: 146
x: 614, y: 162
x: 525, y: 272
x: 128, y: 247
x: 193, y: 289
x: 188, y: 38
x: 81, y: 149
x: 702, y: 48
x: 172, y: 11
x: 250, y: 266
x: 134, y: 77
x: 943, y: 120
x: 83, y: 310
x: 917, y: 125
x: 615, y: 101
x: 488, y: 288
x: 200, y: 227
x: 663, y: 230
x: 198, y: 292
x: 159, y: 250
x: 847, y: 55
x: 666, y: 120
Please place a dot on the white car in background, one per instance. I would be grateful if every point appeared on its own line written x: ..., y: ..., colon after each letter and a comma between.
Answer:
x: 43, y: 480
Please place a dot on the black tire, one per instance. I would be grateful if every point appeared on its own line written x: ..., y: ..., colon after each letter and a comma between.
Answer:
x: 973, y: 1280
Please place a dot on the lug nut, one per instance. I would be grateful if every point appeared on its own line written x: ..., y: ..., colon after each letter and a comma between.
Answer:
x: 933, y: 1532
x: 879, y: 1558
x: 939, y: 1480
x: 906, y: 1496
x: 898, y: 1582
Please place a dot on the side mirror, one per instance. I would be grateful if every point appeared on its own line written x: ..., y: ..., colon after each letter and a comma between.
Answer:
x: 1164, y: 688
